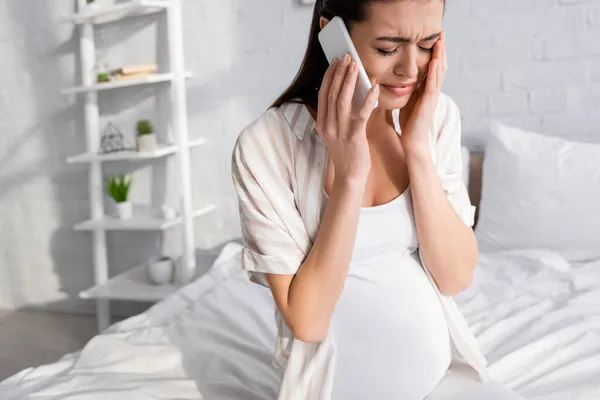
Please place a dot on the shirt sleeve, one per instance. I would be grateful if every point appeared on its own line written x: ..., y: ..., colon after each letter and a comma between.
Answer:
x: 273, y: 233
x: 449, y: 150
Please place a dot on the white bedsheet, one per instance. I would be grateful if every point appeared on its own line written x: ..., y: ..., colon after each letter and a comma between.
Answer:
x: 537, y: 319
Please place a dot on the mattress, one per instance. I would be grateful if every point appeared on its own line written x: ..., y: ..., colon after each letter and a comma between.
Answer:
x: 536, y: 317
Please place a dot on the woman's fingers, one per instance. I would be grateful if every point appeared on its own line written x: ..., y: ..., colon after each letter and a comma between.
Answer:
x: 444, y: 68
x: 334, y: 93
x: 420, y: 89
x: 433, y: 75
x: 368, y: 107
x: 323, y: 95
x: 346, y: 95
x: 445, y: 54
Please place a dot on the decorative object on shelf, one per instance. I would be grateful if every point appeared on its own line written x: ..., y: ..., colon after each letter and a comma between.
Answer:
x: 112, y: 140
x: 168, y: 212
x: 102, y: 72
x: 160, y: 271
x: 146, y: 138
x: 134, y: 71
x: 118, y: 188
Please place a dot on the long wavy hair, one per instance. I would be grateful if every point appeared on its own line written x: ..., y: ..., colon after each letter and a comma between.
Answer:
x: 305, y: 87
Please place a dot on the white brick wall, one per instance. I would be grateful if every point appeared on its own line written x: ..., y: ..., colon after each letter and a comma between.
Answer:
x: 534, y: 63
x: 546, y: 54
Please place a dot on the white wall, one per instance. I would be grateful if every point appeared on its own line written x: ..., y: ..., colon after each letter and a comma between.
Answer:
x: 534, y: 63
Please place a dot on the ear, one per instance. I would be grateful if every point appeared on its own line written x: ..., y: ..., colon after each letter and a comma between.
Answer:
x: 323, y: 21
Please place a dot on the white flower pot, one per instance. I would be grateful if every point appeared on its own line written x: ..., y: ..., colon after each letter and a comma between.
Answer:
x: 161, y: 271
x: 146, y: 142
x: 124, y: 210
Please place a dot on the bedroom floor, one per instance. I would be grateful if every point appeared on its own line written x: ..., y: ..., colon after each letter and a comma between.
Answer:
x: 32, y: 338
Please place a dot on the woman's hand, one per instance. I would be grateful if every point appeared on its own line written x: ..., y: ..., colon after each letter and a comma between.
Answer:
x: 417, y: 116
x: 345, y: 135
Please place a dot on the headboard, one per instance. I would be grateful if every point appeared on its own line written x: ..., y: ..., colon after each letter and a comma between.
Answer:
x: 475, y: 179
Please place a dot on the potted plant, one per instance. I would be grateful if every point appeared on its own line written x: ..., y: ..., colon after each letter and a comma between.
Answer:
x: 102, y: 77
x: 102, y: 73
x: 118, y: 188
x: 146, y: 138
x: 161, y: 270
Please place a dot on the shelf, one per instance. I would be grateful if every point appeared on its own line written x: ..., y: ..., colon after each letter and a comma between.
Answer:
x: 197, y: 142
x: 203, y: 211
x: 144, y: 219
x: 162, y: 150
x: 122, y: 83
x: 130, y: 285
x: 109, y: 13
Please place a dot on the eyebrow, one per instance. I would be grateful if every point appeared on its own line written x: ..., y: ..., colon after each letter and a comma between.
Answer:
x: 399, y: 39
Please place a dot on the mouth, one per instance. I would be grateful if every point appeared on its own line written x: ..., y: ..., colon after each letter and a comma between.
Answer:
x: 399, y: 89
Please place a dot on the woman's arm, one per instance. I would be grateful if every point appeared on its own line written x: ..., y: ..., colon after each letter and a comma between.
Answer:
x: 448, y: 246
x: 306, y: 300
x: 447, y: 243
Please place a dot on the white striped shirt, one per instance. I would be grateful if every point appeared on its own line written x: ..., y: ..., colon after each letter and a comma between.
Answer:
x: 278, y: 171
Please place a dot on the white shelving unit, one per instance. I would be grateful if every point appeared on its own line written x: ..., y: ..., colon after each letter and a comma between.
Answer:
x: 133, y: 284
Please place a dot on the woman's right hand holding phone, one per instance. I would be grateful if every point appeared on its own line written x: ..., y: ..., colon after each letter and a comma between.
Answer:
x: 344, y: 134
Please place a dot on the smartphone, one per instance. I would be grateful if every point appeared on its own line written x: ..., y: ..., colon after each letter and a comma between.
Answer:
x: 335, y: 41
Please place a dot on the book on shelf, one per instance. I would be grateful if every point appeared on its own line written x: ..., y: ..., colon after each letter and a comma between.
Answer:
x: 130, y: 76
x: 136, y: 69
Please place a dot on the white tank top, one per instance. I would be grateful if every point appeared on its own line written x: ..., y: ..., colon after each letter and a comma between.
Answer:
x: 392, y: 341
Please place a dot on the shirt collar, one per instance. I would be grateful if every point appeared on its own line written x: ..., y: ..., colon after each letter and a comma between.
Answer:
x: 299, y: 119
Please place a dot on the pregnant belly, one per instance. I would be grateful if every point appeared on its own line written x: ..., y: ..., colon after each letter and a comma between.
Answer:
x: 390, y: 332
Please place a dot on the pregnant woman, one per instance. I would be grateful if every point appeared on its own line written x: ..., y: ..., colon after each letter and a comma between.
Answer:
x: 360, y: 225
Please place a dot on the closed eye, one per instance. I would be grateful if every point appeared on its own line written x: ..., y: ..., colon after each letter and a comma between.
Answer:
x: 400, y: 39
x: 392, y: 52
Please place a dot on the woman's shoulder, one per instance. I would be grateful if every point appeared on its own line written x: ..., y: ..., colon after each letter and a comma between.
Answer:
x: 446, y: 109
x: 447, y: 118
x: 266, y: 139
x: 273, y: 126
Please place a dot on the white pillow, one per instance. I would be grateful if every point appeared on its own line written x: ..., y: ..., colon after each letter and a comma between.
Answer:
x: 540, y: 192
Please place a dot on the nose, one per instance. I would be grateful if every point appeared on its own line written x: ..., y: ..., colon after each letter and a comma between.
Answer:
x: 407, y: 63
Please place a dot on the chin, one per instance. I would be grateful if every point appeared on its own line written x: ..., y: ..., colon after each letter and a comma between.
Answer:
x: 392, y: 103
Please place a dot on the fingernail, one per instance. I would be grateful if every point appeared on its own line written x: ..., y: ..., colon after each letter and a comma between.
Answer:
x: 346, y: 59
x: 334, y: 62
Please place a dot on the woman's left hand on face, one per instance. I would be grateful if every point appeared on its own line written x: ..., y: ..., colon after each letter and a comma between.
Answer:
x: 419, y: 110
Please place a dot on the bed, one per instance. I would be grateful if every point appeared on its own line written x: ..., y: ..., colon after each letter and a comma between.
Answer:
x: 535, y: 313
x: 537, y: 320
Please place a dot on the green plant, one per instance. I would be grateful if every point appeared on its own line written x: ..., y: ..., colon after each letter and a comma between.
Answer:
x: 118, y: 187
x: 102, y: 77
x: 144, y: 127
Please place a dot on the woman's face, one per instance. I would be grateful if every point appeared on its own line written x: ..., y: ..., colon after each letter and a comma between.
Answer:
x: 395, y: 45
